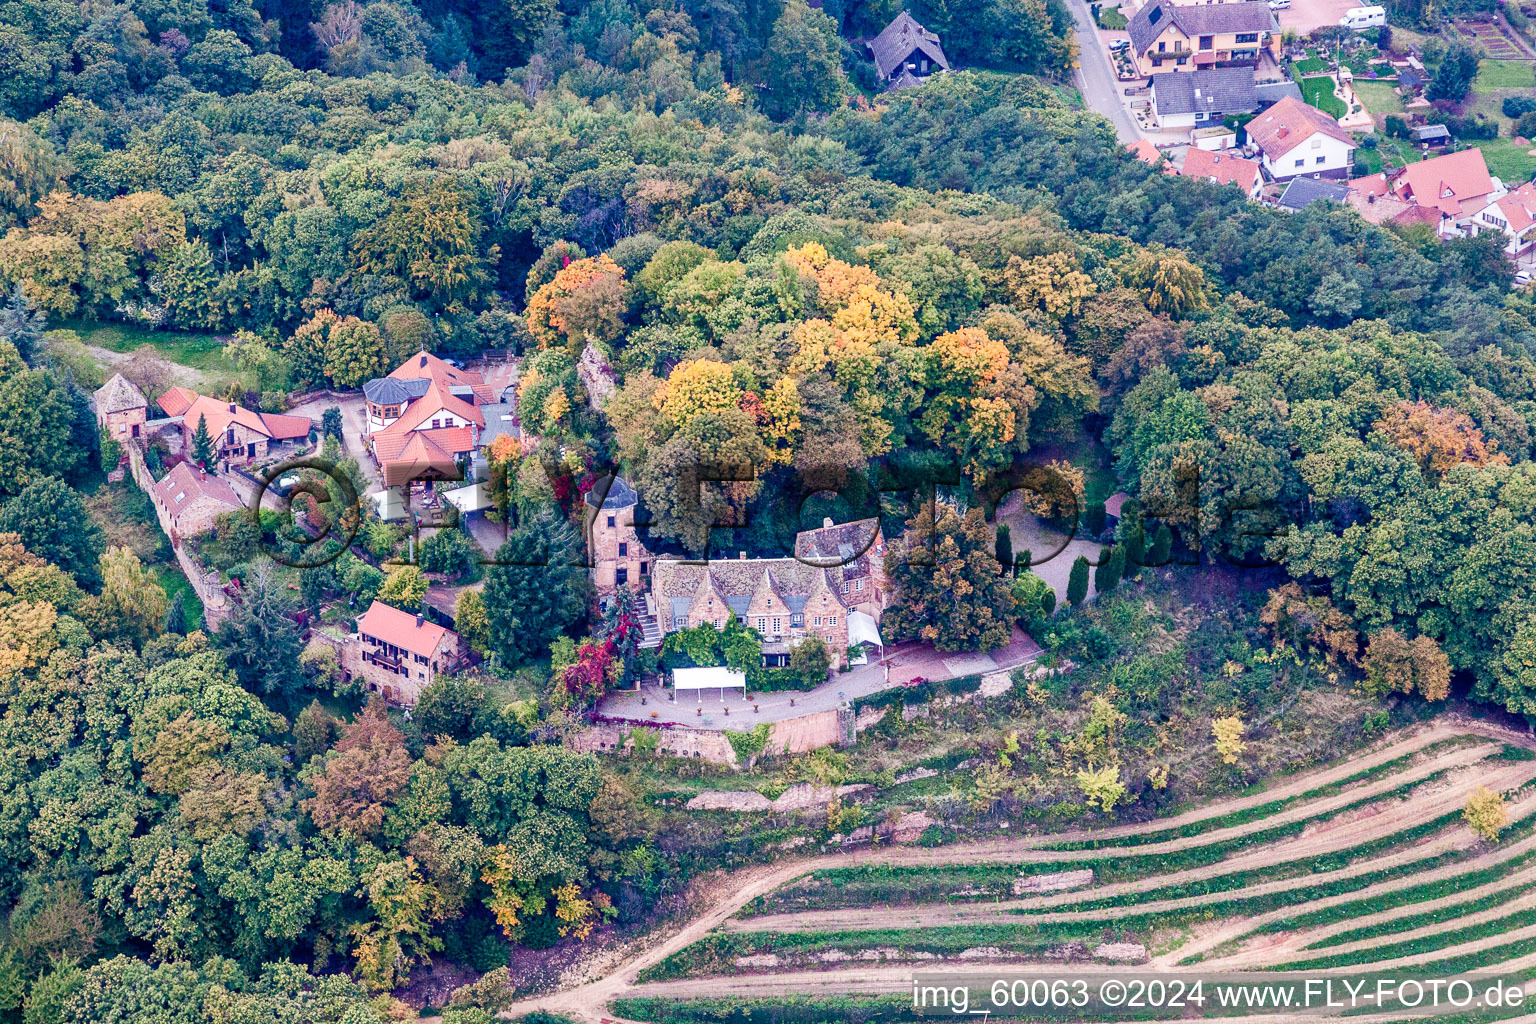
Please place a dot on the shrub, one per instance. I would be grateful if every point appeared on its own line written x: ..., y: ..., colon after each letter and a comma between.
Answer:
x: 1525, y: 126
x: 1514, y: 106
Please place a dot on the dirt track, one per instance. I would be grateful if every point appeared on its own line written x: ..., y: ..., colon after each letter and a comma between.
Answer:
x: 590, y: 1001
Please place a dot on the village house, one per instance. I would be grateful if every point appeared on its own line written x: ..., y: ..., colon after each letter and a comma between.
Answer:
x: 1450, y: 190
x: 121, y: 408
x: 424, y: 418
x: 1171, y: 37
x: 854, y: 553
x: 1514, y: 216
x: 238, y: 434
x: 402, y: 653
x: 783, y: 599
x: 1206, y: 95
x: 905, y: 53
x: 1224, y: 169
x: 1297, y: 139
x: 193, y: 500
x: 1147, y: 152
x: 1303, y: 192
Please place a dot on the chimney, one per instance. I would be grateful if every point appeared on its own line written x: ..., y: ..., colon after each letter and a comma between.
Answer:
x: 231, y: 407
x: 420, y: 621
x: 202, y: 474
x: 826, y: 524
x: 423, y: 359
x: 741, y: 555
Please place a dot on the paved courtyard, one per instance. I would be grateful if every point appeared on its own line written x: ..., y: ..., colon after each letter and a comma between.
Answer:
x: 903, y: 663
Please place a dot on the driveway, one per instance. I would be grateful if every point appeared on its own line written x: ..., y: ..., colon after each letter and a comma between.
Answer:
x: 1096, y: 78
x: 1030, y: 533
x: 353, y: 416
x: 1306, y: 15
x: 902, y: 663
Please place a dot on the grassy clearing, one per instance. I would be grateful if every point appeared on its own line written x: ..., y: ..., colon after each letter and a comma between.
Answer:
x: 174, y: 582
x: 1509, y: 161
x: 1504, y: 74
x: 1308, y: 66
x: 203, y: 352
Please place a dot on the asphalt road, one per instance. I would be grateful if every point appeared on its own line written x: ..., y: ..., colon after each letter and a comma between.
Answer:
x: 1096, y: 78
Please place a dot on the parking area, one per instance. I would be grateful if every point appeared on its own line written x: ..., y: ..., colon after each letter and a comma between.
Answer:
x: 353, y: 415
x: 1306, y: 15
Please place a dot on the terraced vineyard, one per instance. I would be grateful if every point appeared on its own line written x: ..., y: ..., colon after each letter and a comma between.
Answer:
x: 1364, y: 865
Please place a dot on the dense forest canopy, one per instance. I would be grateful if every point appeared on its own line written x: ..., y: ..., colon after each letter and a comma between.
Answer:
x: 782, y: 275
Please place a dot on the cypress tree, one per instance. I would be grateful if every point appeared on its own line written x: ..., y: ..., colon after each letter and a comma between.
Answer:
x: 176, y: 615
x: 1077, y: 582
x: 1107, y: 576
x: 1162, y: 546
x: 202, y: 444
x: 1005, y: 548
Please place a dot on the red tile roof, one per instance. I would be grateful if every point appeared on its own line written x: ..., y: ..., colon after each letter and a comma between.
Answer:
x: 1145, y: 151
x: 190, y: 484
x: 1456, y: 183
x: 177, y: 400
x: 1222, y: 168
x: 420, y: 458
x: 219, y: 415
x: 1289, y: 123
x: 1519, y: 207
x: 402, y: 629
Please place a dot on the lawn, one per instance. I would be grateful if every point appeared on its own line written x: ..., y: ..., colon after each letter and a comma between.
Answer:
x: 1379, y: 97
x: 1110, y: 18
x: 1507, y: 161
x: 1504, y: 74
x: 1310, y: 66
x: 203, y: 352
x: 1318, y: 92
x: 173, y: 581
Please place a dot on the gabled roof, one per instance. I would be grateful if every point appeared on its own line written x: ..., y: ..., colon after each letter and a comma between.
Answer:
x: 184, y: 485
x: 1303, y: 192
x: 177, y: 401
x: 119, y: 394
x: 736, y: 580
x: 418, y: 416
x: 1200, y: 20
x: 1455, y: 184
x: 1221, y: 168
x: 1289, y: 123
x: 1147, y: 152
x: 1518, y: 208
x: 1268, y: 93
x: 848, y: 550
x: 402, y: 629
x: 896, y: 42
x: 1209, y: 90
x: 219, y: 415
x: 421, y: 457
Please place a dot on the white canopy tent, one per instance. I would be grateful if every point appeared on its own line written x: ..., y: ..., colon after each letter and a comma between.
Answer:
x: 863, y: 629
x: 708, y: 679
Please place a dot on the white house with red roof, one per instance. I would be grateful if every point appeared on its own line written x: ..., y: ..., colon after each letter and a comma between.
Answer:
x: 425, y: 417
x: 402, y: 652
x: 1514, y: 216
x: 1449, y: 191
x: 1297, y: 139
x: 238, y: 434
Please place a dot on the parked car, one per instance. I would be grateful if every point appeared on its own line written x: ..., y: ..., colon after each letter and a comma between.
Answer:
x: 1522, y: 278
x: 1125, y: 44
x: 1279, y: 5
